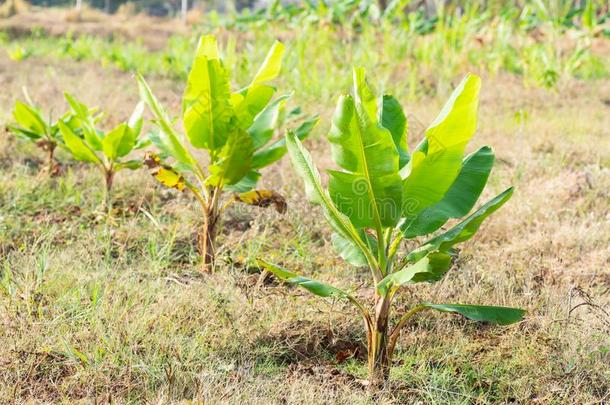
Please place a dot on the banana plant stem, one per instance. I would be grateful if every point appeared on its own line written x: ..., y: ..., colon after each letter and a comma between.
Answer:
x: 401, y: 323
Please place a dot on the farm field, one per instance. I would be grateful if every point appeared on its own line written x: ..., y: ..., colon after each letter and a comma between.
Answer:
x: 115, y: 308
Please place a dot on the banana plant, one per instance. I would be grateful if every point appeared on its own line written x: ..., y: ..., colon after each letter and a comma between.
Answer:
x: 235, y: 128
x: 383, y: 195
x: 107, y: 150
x: 31, y: 126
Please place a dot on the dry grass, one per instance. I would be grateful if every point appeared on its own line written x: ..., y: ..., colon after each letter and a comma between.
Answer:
x: 118, y: 312
x: 11, y: 7
x: 91, y: 21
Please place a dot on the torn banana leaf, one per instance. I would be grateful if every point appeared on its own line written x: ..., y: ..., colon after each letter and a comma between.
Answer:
x: 263, y: 198
x: 164, y: 173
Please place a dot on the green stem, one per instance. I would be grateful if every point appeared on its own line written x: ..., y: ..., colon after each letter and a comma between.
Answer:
x: 401, y: 323
x: 226, y: 205
x: 211, y: 216
x: 109, y: 177
x: 378, y: 354
x: 198, y: 196
x: 381, y: 254
x: 51, y: 157
x: 394, y: 247
x: 388, y: 236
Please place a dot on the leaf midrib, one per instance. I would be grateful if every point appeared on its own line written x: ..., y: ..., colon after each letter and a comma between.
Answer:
x: 332, y: 209
x: 367, y: 174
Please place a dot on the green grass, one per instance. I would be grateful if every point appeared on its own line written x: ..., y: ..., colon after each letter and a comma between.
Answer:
x: 543, y: 52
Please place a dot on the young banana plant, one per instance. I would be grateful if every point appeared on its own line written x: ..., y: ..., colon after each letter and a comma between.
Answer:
x: 383, y: 195
x: 31, y: 126
x: 106, y: 150
x: 236, y: 130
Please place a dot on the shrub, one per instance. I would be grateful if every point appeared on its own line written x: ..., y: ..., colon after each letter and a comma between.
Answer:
x: 31, y: 126
x: 235, y: 128
x: 106, y: 150
x: 382, y: 195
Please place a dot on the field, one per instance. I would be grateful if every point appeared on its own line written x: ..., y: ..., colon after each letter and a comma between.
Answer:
x: 116, y: 309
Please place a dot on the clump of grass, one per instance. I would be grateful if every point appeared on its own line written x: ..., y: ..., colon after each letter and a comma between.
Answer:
x: 12, y: 7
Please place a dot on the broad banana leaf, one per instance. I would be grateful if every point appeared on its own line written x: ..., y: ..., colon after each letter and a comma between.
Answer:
x: 394, y: 120
x: 265, y: 123
x: 136, y: 119
x: 460, y: 198
x: 482, y: 313
x: 247, y: 183
x: 76, y: 145
x: 315, y: 287
x: 167, y: 140
x: 369, y: 190
x: 350, y: 251
x: 271, y: 65
x: 306, y: 169
x: 207, y: 112
x: 274, y: 152
x: 86, y: 123
x: 249, y: 102
x: 119, y: 142
x: 462, y: 231
x: 29, y: 119
x: 432, y: 172
x: 430, y: 268
x: 235, y: 160
x: 24, y: 133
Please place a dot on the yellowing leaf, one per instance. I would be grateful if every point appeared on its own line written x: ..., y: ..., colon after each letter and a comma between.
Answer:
x: 263, y: 198
x: 164, y: 173
x: 169, y: 178
x: 151, y: 160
